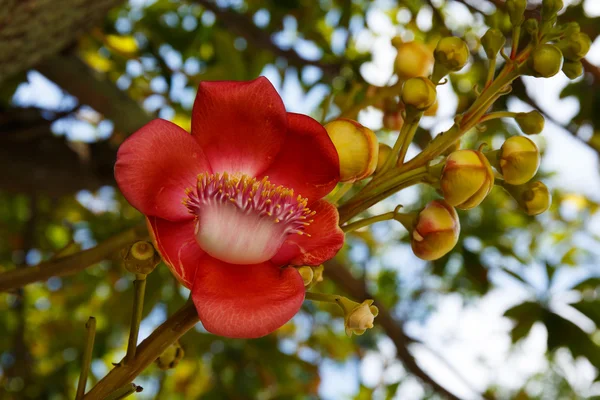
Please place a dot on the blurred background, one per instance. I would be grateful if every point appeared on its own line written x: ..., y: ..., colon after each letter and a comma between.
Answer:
x: 513, y: 312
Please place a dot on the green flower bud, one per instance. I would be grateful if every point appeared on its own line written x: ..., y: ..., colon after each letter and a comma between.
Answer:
x: 533, y: 197
x: 572, y: 69
x: 570, y: 28
x: 170, y: 358
x: 546, y: 61
x: 467, y: 178
x: 452, y: 53
x: 384, y: 153
x: 356, y: 146
x: 435, y: 230
x: 140, y: 258
x: 492, y: 42
x: 518, y: 160
x: 516, y: 11
x: 531, y: 123
x: 550, y: 8
x: 531, y: 26
x: 575, y: 46
x: 418, y: 93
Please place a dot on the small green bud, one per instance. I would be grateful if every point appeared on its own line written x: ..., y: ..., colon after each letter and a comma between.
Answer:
x: 140, y: 258
x: 170, y: 358
x: 575, y: 46
x: 516, y: 11
x: 546, y: 61
x: 452, y: 53
x: 572, y: 69
x: 418, y: 93
x: 570, y: 28
x: 533, y: 197
x: 518, y: 160
x: 550, y: 8
x: 492, y: 42
x: 531, y: 123
x: 531, y: 26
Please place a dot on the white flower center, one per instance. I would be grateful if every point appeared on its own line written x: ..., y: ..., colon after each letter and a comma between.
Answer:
x: 242, y: 220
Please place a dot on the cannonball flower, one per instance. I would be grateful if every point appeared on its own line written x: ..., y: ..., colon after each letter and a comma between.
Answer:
x: 467, y: 178
x: 233, y: 204
x: 435, y: 231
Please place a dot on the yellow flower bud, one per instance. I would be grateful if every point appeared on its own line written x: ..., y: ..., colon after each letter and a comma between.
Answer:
x: 431, y: 111
x: 436, y: 230
x: 360, y: 318
x: 307, y: 274
x: 393, y: 120
x: 384, y: 153
x: 418, y: 93
x: 546, y: 61
x: 413, y: 59
x: 572, y: 69
x: 140, y: 258
x: 492, y: 42
x: 452, y: 53
x: 467, y: 178
x: 516, y: 11
x: 518, y: 160
x: 575, y: 46
x: 170, y: 357
x: 357, y: 148
x: 531, y: 123
x: 533, y: 197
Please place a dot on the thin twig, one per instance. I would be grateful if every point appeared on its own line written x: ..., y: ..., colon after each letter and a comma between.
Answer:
x: 86, y: 360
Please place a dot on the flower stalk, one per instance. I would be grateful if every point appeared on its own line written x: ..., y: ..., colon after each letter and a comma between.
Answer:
x: 90, y: 327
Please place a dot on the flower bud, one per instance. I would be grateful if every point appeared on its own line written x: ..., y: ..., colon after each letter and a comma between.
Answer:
x: 140, y: 258
x: 452, y: 53
x: 575, y: 46
x: 393, y: 121
x: 467, y: 178
x: 358, y: 317
x: 518, y: 160
x: 550, y: 8
x: 307, y: 274
x: 570, y: 28
x: 413, y: 59
x: 492, y: 42
x: 572, y: 69
x: 431, y: 111
x: 436, y: 230
x: 170, y: 357
x: 531, y: 123
x: 516, y: 11
x: 533, y: 197
x: 546, y: 61
x: 531, y: 26
x: 418, y: 93
x: 384, y: 153
x: 357, y: 149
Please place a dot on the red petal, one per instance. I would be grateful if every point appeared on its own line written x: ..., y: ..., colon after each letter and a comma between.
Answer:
x: 308, y: 161
x: 176, y: 243
x: 154, y: 167
x: 239, y: 125
x: 325, y: 240
x: 245, y: 301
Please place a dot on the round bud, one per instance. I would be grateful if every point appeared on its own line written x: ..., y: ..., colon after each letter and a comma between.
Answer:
x: 518, y: 160
x: 492, y: 42
x: 533, y: 197
x: 307, y: 274
x: 516, y: 11
x: 418, y: 93
x: 140, y: 258
x: 452, y: 53
x: 572, y: 69
x: 170, y: 357
x: 575, y: 46
x: 384, y: 153
x: 531, y: 123
x: 393, y: 120
x: 413, y: 59
x: 467, y: 178
x: 570, y: 28
x: 546, y: 61
x: 550, y: 8
x: 436, y: 230
x: 360, y: 318
x: 357, y: 149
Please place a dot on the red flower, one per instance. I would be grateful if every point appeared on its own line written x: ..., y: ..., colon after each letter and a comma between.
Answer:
x: 233, y: 204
